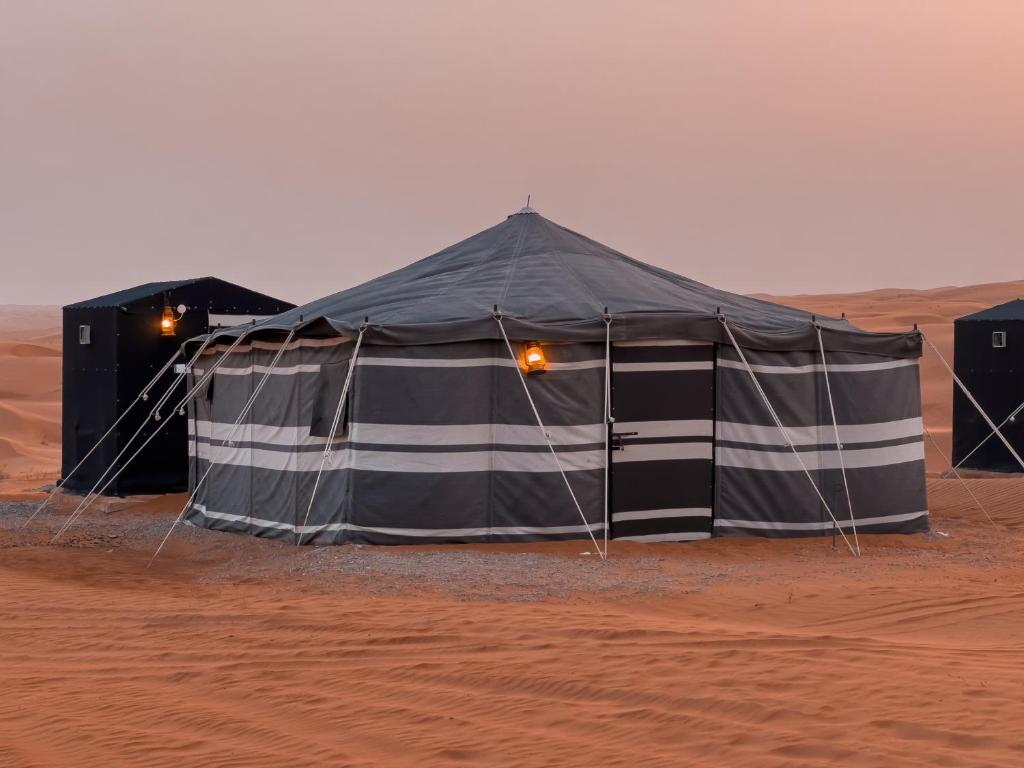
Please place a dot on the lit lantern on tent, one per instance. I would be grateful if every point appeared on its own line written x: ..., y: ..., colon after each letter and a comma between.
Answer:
x: 167, y: 321
x: 533, y: 357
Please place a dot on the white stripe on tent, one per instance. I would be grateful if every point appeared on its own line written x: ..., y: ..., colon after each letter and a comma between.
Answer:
x: 693, y: 365
x: 474, y: 434
x: 408, y: 434
x: 230, y: 321
x: 857, y: 458
x: 511, y: 530
x: 400, y: 461
x: 678, y: 536
x: 660, y: 514
x: 469, y: 362
x: 735, y: 432
x: 661, y: 452
x: 679, y: 428
x: 409, y: 362
x: 284, y: 370
x: 817, y: 367
x: 661, y: 343
x: 825, y: 525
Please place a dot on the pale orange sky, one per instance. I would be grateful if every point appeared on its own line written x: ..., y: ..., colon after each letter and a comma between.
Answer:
x: 303, y: 147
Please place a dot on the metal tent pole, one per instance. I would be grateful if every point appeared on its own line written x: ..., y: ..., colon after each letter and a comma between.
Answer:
x: 785, y: 433
x: 547, y: 437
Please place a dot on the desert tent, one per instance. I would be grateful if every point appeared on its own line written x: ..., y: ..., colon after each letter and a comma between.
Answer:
x: 400, y: 411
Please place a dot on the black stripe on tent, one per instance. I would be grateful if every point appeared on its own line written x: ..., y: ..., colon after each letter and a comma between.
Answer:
x: 683, y: 354
x: 663, y: 395
x: 659, y: 525
x: 669, y: 484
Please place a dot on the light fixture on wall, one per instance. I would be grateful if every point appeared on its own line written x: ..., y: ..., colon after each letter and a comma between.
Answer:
x: 168, y: 321
x: 534, y: 359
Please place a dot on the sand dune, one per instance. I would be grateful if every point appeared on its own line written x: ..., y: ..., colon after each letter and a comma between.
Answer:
x: 30, y: 395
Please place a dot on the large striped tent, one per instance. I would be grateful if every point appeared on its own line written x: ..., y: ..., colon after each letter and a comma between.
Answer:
x: 406, y: 410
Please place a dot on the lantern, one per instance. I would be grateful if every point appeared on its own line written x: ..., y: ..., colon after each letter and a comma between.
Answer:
x: 167, y: 321
x: 533, y: 358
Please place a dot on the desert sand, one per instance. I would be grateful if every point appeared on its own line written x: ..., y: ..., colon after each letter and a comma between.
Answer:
x: 231, y: 650
x: 30, y: 390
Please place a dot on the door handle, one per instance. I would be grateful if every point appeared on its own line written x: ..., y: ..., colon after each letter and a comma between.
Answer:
x: 616, y: 439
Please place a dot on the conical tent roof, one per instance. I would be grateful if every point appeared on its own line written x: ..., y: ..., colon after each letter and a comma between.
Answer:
x: 550, y: 283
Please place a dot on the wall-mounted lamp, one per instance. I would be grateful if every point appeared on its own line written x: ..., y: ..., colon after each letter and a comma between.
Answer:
x: 168, y: 321
x: 534, y: 360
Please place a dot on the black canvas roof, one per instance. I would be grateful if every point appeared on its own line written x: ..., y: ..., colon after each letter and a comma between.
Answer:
x: 137, y: 293
x: 148, y: 292
x: 1011, y: 310
x: 551, y: 283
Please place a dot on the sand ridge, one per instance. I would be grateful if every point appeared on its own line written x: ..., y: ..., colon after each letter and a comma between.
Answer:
x: 737, y: 652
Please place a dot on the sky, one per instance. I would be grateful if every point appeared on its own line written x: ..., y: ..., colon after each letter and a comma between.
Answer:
x: 303, y: 147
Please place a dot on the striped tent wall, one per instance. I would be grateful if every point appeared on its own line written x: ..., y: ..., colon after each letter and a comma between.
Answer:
x: 760, y: 487
x: 437, y: 443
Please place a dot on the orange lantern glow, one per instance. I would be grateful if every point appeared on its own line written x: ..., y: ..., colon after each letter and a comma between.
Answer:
x: 535, y: 361
x: 167, y: 322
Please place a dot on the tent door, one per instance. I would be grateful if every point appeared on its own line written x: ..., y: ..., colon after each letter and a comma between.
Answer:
x: 663, y: 403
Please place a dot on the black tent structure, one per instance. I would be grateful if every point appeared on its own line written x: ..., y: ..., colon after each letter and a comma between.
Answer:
x: 113, y: 345
x: 529, y: 383
x: 988, y: 348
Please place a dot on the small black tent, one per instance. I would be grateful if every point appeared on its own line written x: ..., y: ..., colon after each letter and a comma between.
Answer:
x: 400, y: 410
x: 113, y: 345
x: 988, y: 348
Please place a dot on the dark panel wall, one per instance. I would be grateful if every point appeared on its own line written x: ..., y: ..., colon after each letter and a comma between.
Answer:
x: 89, y: 376
x: 102, y: 380
x: 996, y: 379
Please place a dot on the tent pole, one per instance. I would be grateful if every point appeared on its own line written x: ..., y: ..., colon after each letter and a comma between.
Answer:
x: 958, y: 476
x: 608, y: 420
x: 328, y: 449
x: 1013, y: 414
x: 785, y: 434
x: 974, y: 402
x: 839, y: 443
x: 143, y: 395
x: 547, y: 437
x: 153, y: 414
x: 80, y: 510
x: 238, y: 422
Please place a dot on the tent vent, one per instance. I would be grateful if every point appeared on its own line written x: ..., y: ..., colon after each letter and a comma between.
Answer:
x: 85, y: 334
x: 999, y: 339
